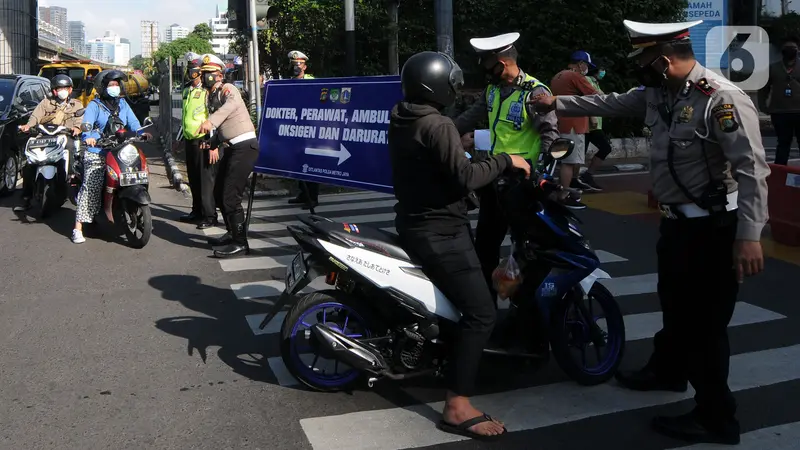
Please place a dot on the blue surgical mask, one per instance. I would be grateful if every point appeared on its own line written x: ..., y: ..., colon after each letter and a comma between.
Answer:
x: 113, y: 91
x: 601, y: 74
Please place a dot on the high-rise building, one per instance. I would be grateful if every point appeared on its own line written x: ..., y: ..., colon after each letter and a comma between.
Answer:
x: 175, y: 32
x: 76, y: 36
x: 220, y: 31
x: 122, y: 52
x: 110, y: 48
x: 149, y: 37
x: 56, y: 16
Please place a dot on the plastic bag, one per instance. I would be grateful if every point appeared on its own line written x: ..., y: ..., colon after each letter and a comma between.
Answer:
x: 506, y: 278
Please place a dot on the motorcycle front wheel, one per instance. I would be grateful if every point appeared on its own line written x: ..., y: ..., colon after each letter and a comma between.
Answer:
x: 136, y: 221
x: 571, y: 321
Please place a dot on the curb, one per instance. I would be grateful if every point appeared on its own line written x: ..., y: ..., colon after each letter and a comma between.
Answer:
x: 629, y: 167
x: 271, y: 193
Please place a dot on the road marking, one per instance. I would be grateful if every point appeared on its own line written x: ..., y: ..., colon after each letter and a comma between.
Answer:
x: 367, y: 195
x: 272, y: 288
x: 632, y: 285
x: 263, y: 227
x: 272, y: 242
x: 281, y: 372
x: 536, y: 407
x: 354, y: 206
x: 622, y: 203
x: 781, y: 437
x: 255, y: 263
x: 645, y: 326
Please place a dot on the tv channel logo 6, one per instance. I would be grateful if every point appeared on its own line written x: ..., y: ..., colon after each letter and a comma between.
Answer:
x: 748, y: 51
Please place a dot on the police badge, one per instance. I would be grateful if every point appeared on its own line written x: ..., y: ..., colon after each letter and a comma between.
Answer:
x: 346, y: 95
x: 334, y: 95
x: 323, y: 95
x: 686, y: 114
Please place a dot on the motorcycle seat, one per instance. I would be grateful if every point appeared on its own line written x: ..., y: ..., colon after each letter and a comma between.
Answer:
x: 371, y: 238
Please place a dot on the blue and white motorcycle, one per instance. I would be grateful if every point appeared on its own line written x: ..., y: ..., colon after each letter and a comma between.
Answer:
x: 52, y: 150
x: 383, y: 318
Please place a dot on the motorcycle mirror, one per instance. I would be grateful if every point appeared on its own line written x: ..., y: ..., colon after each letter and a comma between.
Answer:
x: 147, y: 121
x: 561, y: 148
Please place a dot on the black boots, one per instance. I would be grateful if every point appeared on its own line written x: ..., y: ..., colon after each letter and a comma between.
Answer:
x: 225, y: 239
x: 238, y: 243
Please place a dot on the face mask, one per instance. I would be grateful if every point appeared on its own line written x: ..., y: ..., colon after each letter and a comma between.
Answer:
x: 296, y: 71
x: 495, y: 74
x: 601, y: 74
x: 209, y: 80
x: 789, y: 53
x: 113, y: 91
x: 650, y: 76
x: 62, y: 94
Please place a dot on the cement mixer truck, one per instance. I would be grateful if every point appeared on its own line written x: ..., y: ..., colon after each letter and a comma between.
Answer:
x: 85, y: 79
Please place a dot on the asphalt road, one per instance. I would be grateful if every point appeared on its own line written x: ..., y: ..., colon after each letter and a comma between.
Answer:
x: 107, y: 347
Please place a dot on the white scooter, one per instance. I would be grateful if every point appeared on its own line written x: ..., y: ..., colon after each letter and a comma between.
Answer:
x: 52, y: 150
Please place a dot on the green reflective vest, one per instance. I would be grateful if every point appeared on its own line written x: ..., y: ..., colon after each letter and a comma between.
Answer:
x: 511, y: 131
x: 307, y: 76
x: 194, y: 111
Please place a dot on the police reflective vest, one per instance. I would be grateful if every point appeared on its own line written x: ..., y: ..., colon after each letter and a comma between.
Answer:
x: 307, y: 76
x: 511, y: 131
x: 194, y: 111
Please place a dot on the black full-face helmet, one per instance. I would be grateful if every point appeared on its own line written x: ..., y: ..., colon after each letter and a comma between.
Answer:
x: 432, y: 78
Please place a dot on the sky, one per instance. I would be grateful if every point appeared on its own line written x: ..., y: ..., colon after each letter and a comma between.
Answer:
x: 123, y: 17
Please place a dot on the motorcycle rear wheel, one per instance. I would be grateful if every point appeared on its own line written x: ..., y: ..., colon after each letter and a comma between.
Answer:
x: 565, y: 331
x: 329, y: 304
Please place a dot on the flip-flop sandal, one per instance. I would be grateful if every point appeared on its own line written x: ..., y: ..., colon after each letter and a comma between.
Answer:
x: 462, y: 429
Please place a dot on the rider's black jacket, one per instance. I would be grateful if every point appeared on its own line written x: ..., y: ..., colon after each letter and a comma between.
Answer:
x: 432, y: 175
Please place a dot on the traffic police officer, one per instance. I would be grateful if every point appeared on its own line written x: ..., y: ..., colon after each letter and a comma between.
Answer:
x: 709, y: 175
x: 515, y: 128
x: 231, y: 118
x: 201, y: 160
x: 309, y: 192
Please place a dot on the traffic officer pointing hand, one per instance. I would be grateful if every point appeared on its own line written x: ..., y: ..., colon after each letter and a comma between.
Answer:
x: 709, y: 174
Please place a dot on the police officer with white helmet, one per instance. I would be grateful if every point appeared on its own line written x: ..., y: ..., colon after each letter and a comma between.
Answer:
x: 709, y: 175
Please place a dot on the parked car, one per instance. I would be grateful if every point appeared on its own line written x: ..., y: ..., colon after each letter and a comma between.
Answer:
x: 19, y: 96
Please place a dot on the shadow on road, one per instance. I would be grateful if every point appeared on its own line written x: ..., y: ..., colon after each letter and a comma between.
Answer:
x: 224, y: 326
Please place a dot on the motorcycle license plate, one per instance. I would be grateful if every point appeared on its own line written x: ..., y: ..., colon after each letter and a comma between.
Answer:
x: 295, y: 272
x: 43, y: 142
x: 131, y: 178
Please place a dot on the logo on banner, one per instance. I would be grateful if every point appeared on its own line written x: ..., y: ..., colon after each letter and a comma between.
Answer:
x: 323, y: 95
x: 305, y: 168
x: 346, y: 92
x: 334, y: 95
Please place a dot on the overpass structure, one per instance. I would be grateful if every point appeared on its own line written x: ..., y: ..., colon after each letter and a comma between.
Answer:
x: 51, y: 50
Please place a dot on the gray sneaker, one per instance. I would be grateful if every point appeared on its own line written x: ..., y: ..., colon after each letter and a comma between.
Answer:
x: 572, y: 203
x: 586, y: 182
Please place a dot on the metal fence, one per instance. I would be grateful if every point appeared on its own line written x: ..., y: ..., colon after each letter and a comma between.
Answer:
x: 167, y: 123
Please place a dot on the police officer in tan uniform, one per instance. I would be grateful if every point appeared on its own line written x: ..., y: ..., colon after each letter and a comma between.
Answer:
x: 709, y: 175
x: 61, y: 109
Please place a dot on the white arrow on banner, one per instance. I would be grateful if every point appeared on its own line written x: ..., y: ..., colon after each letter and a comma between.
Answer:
x: 342, y: 153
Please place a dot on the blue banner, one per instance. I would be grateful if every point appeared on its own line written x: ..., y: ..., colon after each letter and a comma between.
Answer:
x: 709, y: 49
x: 329, y: 130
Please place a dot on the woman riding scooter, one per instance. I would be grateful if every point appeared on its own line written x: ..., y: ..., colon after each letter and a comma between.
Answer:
x: 104, y: 115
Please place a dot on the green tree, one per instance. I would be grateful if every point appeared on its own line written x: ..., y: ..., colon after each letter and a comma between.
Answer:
x: 179, y: 48
x: 138, y: 63
x: 202, y: 31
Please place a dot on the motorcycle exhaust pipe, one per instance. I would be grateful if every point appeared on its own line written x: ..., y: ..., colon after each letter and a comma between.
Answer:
x: 337, y: 346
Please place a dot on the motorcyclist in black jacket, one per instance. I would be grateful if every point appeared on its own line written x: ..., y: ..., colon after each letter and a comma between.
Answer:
x: 432, y: 178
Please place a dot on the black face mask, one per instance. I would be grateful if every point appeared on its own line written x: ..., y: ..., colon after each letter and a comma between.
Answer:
x: 296, y: 71
x: 789, y: 53
x: 649, y: 76
x: 209, y: 80
x: 493, y: 76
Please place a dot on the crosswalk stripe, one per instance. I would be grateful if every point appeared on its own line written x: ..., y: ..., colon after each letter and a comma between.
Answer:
x: 637, y: 327
x: 533, y: 408
x: 263, y: 227
x: 332, y: 208
x: 271, y: 288
x: 366, y: 195
x: 632, y: 285
x: 781, y: 437
x: 255, y: 263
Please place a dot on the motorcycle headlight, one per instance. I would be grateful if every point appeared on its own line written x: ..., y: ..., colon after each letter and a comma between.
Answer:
x: 128, y: 155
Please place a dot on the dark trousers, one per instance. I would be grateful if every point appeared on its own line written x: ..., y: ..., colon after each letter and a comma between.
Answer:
x: 201, y: 179
x: 309, y: 191
x: 490, y: 233
x: 234, y: 168
x: 697, y: 288
x: 599, y: 139
x: 787, y: 127
x: 452, y: 265
x: 28, y: 180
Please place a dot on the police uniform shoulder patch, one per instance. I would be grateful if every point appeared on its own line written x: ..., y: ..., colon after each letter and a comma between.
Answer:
x: 725, y: 115
x: 705, y: 87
